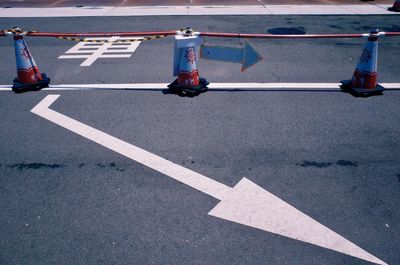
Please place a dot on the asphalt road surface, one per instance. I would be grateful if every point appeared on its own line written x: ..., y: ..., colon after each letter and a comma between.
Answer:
x: 336, y: 158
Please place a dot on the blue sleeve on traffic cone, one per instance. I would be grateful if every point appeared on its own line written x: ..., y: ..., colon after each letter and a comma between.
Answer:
x: 185, y: 66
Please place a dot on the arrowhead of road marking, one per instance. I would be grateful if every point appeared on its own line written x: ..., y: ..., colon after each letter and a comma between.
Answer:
x: 250, y: 56
x: 251, y: 205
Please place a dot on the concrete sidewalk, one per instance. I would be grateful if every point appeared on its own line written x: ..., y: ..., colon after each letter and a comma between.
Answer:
x: 187, y: 3
x: 88, y: 11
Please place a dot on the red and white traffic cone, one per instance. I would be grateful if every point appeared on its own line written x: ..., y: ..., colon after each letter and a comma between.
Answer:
x: 188, y: 73
x: 185, y: 66
x: 395, y: 7
x: 29, y: 77
x: 365, y: 78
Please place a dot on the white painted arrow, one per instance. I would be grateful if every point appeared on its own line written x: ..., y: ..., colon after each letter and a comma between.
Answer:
x: 246, y: 203
x: 246, y: 55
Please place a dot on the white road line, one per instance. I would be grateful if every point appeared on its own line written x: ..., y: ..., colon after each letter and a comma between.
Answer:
x: 198, y: 10
x: 175, y: 171
x: 246, y: 203
x: 212, y: 86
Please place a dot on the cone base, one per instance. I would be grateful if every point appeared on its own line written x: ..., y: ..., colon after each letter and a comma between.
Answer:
x: 394, y: 9
x: 19, y: 87
x: 189, y: 90
x: 361, y: 92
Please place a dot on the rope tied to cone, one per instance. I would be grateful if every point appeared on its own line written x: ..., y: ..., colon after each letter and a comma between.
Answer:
x: 111, y: 41
x: 102, y: 34
x: 150, y: 35
x: 16, y: 31
x: 188, y: 31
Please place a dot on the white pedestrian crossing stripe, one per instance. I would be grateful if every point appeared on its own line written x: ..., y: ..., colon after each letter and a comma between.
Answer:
x: 92, y: 51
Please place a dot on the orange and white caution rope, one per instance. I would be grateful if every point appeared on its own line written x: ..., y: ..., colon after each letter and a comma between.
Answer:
x: 150, y: 35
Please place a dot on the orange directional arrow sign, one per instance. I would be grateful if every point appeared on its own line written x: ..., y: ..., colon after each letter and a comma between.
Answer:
x: 245, y: 55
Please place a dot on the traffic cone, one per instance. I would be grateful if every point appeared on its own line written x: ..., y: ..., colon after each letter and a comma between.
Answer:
x: 365, y: 78
x: 29, y: 77
x: 188, y: 81
x: 395, y: 7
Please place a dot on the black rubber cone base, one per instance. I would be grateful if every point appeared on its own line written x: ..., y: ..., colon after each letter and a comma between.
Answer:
x: 394, y: 9
x: 19, y: 87
x: 190, y: 91
x: 361, y: 92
